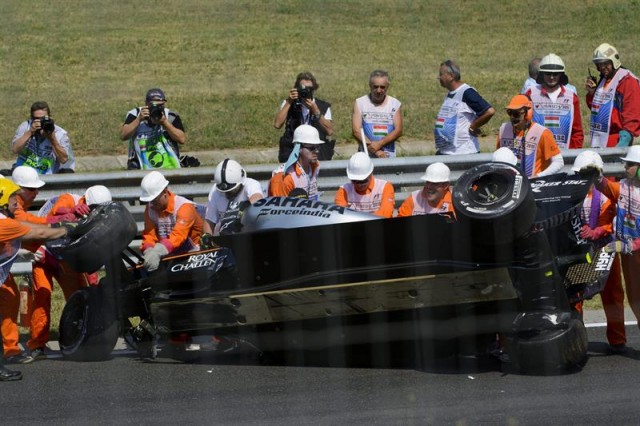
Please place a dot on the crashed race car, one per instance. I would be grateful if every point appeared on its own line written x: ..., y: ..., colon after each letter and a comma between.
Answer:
x: 302, y: 275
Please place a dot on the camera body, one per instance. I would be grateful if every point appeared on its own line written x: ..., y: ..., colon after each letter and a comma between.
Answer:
x: 46, y: 124
x: 156, y: 111
x: 305, y: 92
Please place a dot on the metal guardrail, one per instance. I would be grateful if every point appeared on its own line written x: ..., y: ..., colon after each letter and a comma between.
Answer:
x: 195, y: 183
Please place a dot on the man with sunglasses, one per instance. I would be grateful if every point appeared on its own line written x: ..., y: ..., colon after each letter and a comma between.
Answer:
x: 533, y: 144
x: 302, y: 168
x: 626, y: 196
x: 461, y: 115
x: 378, y: 116
x: 614, y: 101
x: 435, y: 195
x: 555, y: 106
x: 232, y: 188
x: 172, y: 224
x: 365, y: 192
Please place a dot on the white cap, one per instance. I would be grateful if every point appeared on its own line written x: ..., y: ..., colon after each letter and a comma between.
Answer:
x: 26, y: 176
x: 97, y: 194
x: 504, y: 155
x: 360, y: 166
x: 633, y: 155
x: 436, y: 173
x: 307, y: 134
x: 152, y: 185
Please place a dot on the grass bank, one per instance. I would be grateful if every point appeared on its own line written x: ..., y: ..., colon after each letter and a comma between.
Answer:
x: 226, y: 65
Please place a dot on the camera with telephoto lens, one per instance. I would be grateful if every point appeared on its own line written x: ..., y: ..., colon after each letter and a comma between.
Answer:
x: 46, y: 124
x: 305, y: 92
x: 156, y: 111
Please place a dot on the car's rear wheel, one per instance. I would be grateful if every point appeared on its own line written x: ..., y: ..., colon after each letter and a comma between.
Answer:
x: 88, y: 328
x: 107, y: 231
x: 496, y: 201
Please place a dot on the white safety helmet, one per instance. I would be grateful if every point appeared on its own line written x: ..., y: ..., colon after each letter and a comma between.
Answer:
x: 26, y: 176
x: 587, y: 159
x: 606, y: 52
x: 436, y: 173
x: 152, y: 185
x: 633, y: 155
x: 551, y: 63
x: 360, y: 166
x: 307, y: 134
x: 97, y: 194
x: 504, y: 155
x: 228, y: 175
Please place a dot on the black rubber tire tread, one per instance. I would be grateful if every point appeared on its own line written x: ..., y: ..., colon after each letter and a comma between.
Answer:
x: 505, y: 216
x: 104, y: 234
x: 550, y: 351
x: 88, y: 328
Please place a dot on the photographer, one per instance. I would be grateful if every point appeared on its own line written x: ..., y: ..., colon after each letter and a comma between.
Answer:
x: 154, y: 133
x: 301, y: 107
x: 42, y: 144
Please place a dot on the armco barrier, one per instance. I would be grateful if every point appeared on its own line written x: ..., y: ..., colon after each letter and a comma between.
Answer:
x: 195, y: 183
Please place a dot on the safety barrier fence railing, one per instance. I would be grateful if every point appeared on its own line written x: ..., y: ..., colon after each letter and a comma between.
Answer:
x: 195, y: 183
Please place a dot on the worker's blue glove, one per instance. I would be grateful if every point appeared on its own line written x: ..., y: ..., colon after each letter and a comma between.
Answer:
x: 619, y: 246
x: 152, y: 256
x: 624, y: 138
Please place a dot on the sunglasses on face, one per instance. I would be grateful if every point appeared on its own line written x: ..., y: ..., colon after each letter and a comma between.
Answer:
x: 360, y: 182
x: 515, y: 112
x: 311, y: 147
x: 375, y: 86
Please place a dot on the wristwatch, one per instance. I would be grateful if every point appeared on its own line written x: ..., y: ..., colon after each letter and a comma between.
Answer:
x: 317, y: 115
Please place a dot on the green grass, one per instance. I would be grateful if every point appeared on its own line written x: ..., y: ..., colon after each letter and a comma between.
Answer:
x: 226, y: 65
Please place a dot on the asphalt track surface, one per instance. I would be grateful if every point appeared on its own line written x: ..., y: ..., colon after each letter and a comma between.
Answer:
x: 232, y: 390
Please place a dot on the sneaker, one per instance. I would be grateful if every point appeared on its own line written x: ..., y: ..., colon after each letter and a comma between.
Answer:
x: 18, y: 359
x: 619, y: 349
x: 7, y: 375
x: 38, y: 354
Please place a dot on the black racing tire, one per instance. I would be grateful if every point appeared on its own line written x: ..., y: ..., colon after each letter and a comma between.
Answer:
x: 88, y: 327
x: 548, y: 352
x: 496, y: 201
x: 104, y: 234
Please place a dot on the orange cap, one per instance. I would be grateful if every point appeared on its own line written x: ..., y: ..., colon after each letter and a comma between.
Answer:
x: 520, y: 101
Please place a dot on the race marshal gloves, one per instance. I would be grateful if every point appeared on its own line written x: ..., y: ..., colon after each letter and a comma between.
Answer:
x: 81, y: 210
x: 152, y: 256
x: 67, y: 217
x: 623, y: 246
x: 624, y: 138
x: 593, y: 234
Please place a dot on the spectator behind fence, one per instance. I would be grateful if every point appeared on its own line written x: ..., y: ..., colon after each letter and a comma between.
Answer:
x: 614, y: 100
x: 533, y: 75
x: 154, y: 133
x: 461, y: 115
x: 364, y: 192
x: 379, y: 115
x: 555, y: 106
x: 533, y: 144
x: 435, y: 195
x: 302, y: 107
x: 40, y: 143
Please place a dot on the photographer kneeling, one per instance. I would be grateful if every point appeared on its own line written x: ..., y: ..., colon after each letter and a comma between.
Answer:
x: 301, y: 107
x: 154, y: 133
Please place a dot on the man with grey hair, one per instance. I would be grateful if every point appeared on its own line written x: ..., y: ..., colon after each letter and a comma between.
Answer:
x: 377, y: 116
x: 533, y: 75
x: 461, y: 115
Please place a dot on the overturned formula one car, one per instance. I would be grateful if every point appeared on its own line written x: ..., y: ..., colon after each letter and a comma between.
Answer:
x: 306, y: 275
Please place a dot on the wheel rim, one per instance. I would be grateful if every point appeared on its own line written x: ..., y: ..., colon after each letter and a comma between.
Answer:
x: 73, y: 325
